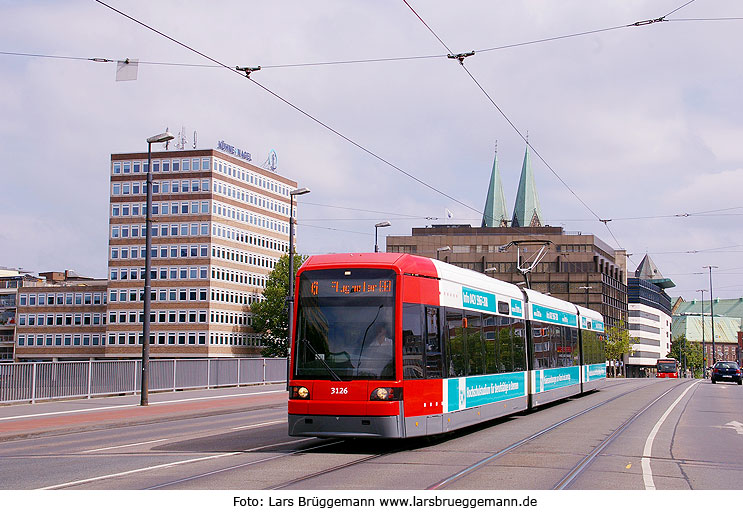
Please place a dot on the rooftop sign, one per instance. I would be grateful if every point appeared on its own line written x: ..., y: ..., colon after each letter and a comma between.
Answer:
x: 231, y: 149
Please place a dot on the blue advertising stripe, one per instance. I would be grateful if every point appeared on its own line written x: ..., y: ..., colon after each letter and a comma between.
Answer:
x: 560, y: 377
x: 548, y: 315
x: 591, y: 324
x: 595, y: 371
x: 480, y: 300
x: 517, y: 309
x: 468, y: 392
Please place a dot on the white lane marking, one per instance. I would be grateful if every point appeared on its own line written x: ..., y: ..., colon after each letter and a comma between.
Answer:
x: 122, y: 446
x: 217, y: 397
x: 167, y: 465
x: 647, y: 472
x: 19, y: 417
x: 734, y: 425
x: 263, y: 424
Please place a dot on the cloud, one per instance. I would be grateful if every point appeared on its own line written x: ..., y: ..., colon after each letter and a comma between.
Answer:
x: 638, y: 121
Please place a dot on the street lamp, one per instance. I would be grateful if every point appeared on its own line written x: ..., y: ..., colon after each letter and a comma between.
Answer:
x: 712, y: 313
x: 704, y: 351
x: 145, y: 387
x: 377, y: 226
x: 586, y: 288
x: 292, y: 221
x: 439, y: 250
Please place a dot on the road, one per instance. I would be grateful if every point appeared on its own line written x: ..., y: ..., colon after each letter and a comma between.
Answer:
x: 635, y: 434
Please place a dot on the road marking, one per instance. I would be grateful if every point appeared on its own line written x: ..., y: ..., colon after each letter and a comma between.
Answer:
x: 122, y: 446
x: 734, y: 425
x: 647, y: 472
x: 260, y: 425
x: 122, y: 406
x: 168, y: 465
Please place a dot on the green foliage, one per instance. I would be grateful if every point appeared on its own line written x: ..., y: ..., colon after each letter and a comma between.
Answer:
x: 618, y: 342
x: 271, y: 315
x: 680, y: 347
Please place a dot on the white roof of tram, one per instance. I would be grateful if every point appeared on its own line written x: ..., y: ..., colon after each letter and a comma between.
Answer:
x: 476, y: 280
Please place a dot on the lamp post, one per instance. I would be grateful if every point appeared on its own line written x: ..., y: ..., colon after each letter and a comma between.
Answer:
x: 712, y: 313
x: 439, y: 250
x: 704, y: 352
x: 145, y: 387
x: 377, y: 226
x: 586, y: 288
x: 292, y: 221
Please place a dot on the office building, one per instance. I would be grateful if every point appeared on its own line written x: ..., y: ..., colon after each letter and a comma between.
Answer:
x: 649, y: 318
x: 220, y: 225
x: 575, y: 267
x: 61, y: 316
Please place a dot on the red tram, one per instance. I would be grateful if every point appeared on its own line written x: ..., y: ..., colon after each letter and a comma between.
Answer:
x: 396, y: 345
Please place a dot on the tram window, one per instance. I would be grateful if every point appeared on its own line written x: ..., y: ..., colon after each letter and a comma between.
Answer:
x: 456, y: 351
x: 490, y: 338
x: 475, y: 353
x: 517, y: 333
x: 434, y: 359
x: 540, y: 346
x: 412, y: 342
x: 569, y: 352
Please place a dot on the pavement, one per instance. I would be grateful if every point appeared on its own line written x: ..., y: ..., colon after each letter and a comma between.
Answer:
x: 63, y: 416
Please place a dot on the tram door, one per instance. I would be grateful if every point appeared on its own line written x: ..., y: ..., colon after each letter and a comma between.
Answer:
x: 434, y: 358
x: 434, y: 361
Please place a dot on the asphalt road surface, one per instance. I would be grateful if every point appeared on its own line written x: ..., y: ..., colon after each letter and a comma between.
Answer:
x: 635, y: 434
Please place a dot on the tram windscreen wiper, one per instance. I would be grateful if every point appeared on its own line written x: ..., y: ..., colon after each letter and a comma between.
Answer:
x: 363, y: 339
x: 319, y: 357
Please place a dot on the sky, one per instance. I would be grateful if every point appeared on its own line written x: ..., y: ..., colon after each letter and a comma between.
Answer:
x: 638, y: 125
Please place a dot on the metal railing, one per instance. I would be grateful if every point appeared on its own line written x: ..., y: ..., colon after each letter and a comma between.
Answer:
x: 32, y: 382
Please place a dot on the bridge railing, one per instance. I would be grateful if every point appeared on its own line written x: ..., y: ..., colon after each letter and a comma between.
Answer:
x: 32, y: 382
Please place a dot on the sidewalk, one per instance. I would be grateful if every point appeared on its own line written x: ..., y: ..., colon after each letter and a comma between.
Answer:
x: 17, y: 421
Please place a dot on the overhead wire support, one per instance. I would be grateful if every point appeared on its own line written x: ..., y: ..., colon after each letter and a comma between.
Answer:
x: 497, y: 107
x: 293, y: 106
x: 648, y: 22
x: 247, y: 69
x: 461, y: 56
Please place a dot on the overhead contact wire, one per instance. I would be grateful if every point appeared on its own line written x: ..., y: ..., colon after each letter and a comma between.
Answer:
x: 295, y: 107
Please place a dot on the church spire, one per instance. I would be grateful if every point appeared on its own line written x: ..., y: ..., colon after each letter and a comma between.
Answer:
x: 526, y: 211
x: 495, y: 204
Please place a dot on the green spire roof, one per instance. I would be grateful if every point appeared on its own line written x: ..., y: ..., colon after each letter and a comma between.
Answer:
x: 526, y: 211
x: 495, y: 204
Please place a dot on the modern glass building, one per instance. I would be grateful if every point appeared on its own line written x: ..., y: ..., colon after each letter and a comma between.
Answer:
x: 649, y: 319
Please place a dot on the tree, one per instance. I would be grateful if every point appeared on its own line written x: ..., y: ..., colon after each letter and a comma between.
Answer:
x: 271, y: 315
x: 618, y: 343
x: 693, y: 352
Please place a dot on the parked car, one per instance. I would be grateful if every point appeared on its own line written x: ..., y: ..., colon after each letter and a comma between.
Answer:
x: 728, y: 371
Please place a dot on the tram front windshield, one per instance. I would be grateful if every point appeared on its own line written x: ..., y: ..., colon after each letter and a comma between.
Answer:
x: 345, y: 325
x: 666, y: 367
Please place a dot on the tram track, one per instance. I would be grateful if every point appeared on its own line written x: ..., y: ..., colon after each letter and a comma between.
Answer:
x: 375, y: 450
x: 567, y: 480
x: 404, y: 446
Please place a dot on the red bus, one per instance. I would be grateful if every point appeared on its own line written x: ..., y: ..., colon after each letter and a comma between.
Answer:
x: 667, y: 369
x: 391, y: 345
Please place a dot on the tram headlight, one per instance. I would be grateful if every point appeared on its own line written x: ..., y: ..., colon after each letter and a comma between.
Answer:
x: 386, y: 394
x: 300, y: 392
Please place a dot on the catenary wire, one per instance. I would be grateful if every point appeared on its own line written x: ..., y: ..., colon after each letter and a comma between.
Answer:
x: 382, y: 59
x: 297, y: 108
x: 679, y: 8
x: 508, y: 120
